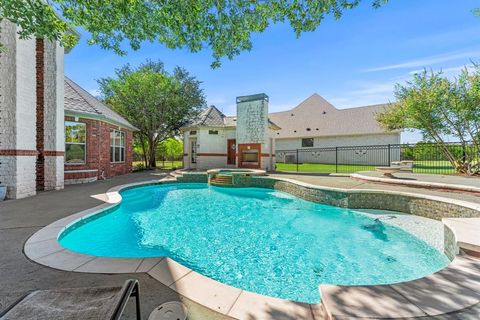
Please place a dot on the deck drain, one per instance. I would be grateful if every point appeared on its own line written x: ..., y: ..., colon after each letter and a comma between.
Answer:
x: 172, y: 310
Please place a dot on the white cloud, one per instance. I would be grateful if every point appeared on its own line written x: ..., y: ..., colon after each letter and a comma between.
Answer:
x: 94, y: 92
x: 428, y: 61
x: 452, y: 71
x: 367, y: 93
x: 374, y: 89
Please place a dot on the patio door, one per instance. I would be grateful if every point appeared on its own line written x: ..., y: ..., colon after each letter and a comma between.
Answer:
x: 193, y: 153
x: 231, y: 151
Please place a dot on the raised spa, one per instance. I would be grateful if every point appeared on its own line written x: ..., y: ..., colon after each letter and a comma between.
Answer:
x: 259, y: 240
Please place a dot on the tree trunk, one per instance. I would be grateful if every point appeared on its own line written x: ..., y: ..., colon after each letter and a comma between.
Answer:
x: 145, y: 159
x: 151, y: 153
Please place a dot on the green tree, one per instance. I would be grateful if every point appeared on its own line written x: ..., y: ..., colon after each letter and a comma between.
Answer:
x: 156, y: 102
x: 224, y: 26
x: 440, y: 107
x: 171, y: 148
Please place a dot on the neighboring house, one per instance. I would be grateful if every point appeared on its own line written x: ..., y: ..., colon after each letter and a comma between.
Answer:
x: 37, y: 106
x: 98, y: 141
x: 212, y: 140
x: 315, y: 123
x: 246, y: 140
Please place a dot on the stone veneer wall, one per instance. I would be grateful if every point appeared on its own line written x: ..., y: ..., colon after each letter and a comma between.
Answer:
x: 53, y: 116
x: 193, y: 177
x: 252, y: 128
x: 17, y: 113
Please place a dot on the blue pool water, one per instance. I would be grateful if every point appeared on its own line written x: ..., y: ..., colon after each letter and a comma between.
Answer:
x: 259, y: 240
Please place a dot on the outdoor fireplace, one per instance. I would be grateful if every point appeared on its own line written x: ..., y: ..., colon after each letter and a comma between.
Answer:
x: 249, y: 155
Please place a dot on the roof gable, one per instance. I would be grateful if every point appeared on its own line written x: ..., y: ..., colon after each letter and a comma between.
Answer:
x: 79, y: 101
x: 210, y: 117
x: 315, y: 116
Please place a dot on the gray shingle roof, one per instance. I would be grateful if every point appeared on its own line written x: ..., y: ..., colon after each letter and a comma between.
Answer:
x: 79, y: 101
x: 212, y: 117
x: 323, y: 119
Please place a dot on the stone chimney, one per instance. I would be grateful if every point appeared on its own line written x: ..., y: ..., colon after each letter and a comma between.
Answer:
x: 252, y: 131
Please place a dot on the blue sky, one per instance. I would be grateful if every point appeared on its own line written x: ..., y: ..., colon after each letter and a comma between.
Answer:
x: 353, y: 61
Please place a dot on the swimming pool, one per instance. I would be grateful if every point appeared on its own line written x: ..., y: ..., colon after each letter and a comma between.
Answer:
x: 259, y: 240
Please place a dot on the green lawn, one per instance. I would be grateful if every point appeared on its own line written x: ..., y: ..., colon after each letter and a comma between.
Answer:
x: 167, y: 165
x: 443, y: 167
x: 323, y: 168
x: 436, y: 167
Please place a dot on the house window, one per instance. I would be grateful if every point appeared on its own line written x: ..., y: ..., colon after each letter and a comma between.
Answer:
x: 193, y: 132
x: 307, y: 142
x: 212, y: 131
x: 117, y: 146
x: 75, y: 142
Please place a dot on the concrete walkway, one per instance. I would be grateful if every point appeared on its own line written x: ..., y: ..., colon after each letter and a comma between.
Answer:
x: 19, y: 219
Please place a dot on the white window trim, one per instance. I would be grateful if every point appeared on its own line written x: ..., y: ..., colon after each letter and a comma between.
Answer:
x: 313, y: 142
x: 78, y: 143
x: 115, y: 146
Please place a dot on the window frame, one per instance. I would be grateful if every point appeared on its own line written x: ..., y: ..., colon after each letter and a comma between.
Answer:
x: 84, y: 125
x: 114, y: 146
x: 309, y: 139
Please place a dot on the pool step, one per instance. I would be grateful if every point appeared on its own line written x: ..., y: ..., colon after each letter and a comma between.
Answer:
x: 221, y: 180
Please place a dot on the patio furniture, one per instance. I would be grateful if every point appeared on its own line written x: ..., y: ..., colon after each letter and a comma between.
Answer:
x: 75, y: 303
x: 388, y: 171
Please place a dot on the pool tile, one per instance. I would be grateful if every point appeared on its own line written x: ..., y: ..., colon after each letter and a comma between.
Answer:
x: 65, y: 260
x: 367, y: 302
x: 147, y: 264
x: 251, y: 305
x: 212, y: 294
x: 453, y: 288
x: 67, y: 220
x: 168, y: 271
x: 110, y: 265
x: 35, y: 250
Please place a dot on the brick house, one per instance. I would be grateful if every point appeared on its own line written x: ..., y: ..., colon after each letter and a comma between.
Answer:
x: 37, y: 107
x: 98, y: 141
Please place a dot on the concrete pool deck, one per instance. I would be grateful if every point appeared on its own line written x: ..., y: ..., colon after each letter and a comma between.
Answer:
x: 21, y: 218
x: 448, y: 182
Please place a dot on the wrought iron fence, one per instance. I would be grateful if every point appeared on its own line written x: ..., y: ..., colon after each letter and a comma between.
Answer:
x: 426, y: 157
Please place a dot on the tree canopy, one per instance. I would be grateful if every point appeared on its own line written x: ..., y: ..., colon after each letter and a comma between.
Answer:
x: 441, y: 107
x: 156, y: 102
x: 224, y: 26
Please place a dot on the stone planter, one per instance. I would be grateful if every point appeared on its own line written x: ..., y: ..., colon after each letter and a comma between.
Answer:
x: 3, y: 192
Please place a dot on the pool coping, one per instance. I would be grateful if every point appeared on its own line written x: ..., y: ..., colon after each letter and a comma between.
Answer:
x: 43, y: 248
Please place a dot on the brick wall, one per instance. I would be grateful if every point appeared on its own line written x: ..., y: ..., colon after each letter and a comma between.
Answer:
x: 40, y: 164
x: 98, y: 152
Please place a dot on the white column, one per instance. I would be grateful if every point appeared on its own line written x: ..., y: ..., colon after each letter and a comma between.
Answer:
x: 17, y: 113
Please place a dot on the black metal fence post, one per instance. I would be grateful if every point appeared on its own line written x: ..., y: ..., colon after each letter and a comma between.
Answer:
x: 389, y: 160
x: 297, y: 160
x: 336, y: 159
x: 421, y: 157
